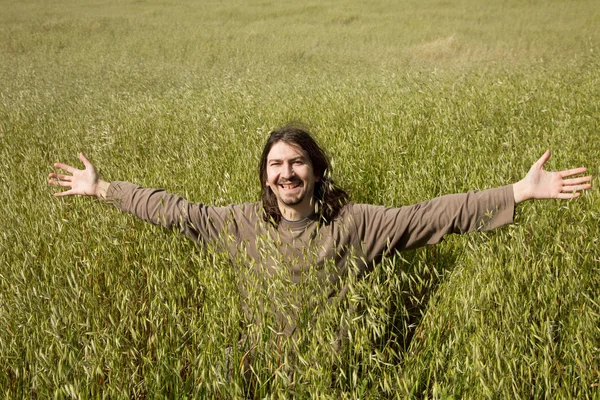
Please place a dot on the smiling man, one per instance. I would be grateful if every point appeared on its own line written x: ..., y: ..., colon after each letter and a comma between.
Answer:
x: 305, y: 221
x: 291, y: 179
x: 294, y: 180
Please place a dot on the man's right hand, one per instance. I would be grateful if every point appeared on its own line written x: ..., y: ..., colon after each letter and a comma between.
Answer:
x: 84, y: 182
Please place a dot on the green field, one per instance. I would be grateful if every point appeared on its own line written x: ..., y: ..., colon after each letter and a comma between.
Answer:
x: 412, y: 99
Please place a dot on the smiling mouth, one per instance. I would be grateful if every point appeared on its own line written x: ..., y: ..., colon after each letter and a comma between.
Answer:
x: 289, y: 186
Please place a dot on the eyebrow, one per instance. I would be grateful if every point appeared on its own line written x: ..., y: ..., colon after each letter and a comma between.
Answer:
x: 302, y: 158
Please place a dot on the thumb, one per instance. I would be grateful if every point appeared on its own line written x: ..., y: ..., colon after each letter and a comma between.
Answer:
x: 85, y: 161
x: 545, y: 157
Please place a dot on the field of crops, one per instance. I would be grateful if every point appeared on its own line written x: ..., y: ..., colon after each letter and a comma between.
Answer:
x: 412, y: 99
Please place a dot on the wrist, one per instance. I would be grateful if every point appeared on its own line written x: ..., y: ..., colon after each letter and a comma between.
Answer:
x: 520, y: 192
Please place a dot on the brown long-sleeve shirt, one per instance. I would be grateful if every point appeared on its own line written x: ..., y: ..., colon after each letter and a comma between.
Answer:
x: 359, y: 236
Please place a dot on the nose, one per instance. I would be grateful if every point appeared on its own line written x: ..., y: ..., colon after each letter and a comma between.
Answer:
x: 287, y: 171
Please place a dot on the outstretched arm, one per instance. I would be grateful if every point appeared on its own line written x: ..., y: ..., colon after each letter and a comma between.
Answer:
x: 541, y: 184
x: 84, y: 182
x: 200, y: 222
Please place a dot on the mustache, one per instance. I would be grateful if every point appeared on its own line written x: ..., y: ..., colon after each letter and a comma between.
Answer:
x: 289, y: 181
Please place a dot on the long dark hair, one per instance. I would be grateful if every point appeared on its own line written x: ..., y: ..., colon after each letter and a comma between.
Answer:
x: 329, y: 198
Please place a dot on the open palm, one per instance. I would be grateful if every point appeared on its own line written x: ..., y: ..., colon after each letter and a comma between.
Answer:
x: 80, y: 182
x: 541, y: 184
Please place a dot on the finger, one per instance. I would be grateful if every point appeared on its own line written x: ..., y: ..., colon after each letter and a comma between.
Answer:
x: 566, y: 196
x: 545, y: 157
x: 574, y: 171
x: 59, y: 183
x: 85, y: 161
x: 576, y: 188
x: 60, y: 177
x: 577, y: 181
x: 65, y: 193
x: 65, y: 167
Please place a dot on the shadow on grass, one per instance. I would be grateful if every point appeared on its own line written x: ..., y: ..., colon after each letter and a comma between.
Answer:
x: 422, y: 271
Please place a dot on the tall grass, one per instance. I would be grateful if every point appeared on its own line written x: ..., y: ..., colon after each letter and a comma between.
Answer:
x: 412, y: 100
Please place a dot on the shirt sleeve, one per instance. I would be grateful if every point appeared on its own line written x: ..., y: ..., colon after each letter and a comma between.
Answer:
x: 199, y: 222
x: 383, y: 229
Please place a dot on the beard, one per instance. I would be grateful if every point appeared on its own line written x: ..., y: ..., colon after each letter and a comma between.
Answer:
x: 292, y: 200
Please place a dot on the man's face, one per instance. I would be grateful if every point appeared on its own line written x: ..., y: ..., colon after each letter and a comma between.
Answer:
x: 291, y: 177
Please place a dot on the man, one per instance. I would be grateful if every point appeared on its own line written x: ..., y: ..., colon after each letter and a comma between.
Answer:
x: 305, y: 221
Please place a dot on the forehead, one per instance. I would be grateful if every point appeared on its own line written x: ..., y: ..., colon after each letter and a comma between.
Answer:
x: 285, y: 151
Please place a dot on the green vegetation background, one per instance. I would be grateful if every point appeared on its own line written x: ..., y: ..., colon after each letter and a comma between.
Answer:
x: 413, y: 99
